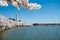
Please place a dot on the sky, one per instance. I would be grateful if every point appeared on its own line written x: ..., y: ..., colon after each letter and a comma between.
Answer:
x: 49, y: 12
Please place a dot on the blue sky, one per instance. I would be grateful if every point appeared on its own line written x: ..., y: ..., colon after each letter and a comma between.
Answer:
x: 49, y: 13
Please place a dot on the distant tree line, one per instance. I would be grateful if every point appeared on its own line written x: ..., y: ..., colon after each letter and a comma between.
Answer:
x: 46, y: 24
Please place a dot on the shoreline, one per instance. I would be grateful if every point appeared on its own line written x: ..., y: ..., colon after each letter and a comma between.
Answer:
x: 48, y: 24
x: 6, y: 23
x: 7, y: 28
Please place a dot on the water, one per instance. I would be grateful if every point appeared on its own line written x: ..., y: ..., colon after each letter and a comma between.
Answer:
x: 32, y: 33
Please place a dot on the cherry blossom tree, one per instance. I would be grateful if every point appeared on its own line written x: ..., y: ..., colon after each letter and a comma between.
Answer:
x: 20, y: 3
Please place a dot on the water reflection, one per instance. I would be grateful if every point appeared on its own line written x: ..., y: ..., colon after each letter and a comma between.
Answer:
x: 1, y: 35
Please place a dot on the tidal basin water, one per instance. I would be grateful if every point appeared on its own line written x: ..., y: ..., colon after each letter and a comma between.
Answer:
x: 32, y: 33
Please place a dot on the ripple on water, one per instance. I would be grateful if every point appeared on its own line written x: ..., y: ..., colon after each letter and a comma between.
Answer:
x: 32, y: 33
